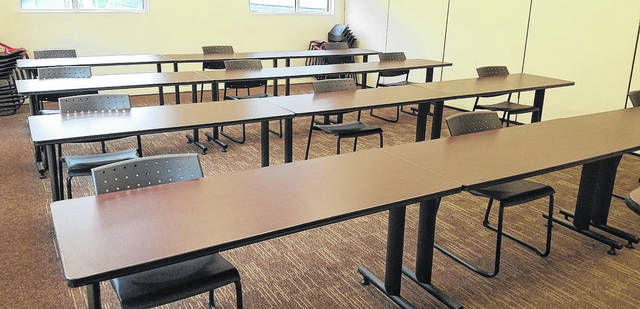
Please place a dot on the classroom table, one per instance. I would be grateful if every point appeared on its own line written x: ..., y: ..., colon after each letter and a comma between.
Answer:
x: 498, y: 156
x: 242, y: 208
x: 49, y: 130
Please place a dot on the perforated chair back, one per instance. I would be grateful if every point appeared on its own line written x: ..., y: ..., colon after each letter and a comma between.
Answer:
x: 492, y: 71
x: 472, y: 122
x: 64, y: 72
x: 94, y: 103
x: 54, y: 53
x: 244, y: 64
x: 634, y: 96
x: 217, y: 49
x: 395, y: 56
x: 329, y: 85
x: 146, y: 172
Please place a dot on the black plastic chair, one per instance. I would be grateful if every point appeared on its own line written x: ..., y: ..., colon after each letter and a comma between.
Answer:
x: 508, y: 194
x: 62, y: 72
x: 249, y: 64
x: 81, y: 165
x: 214, y: 64
x: 176, y: 281
x: 10, y: 100
x: 634, y: 97
x: 342, y: 130
x: 386, y: 57
x: 338, y: 59
x: 507, y: 107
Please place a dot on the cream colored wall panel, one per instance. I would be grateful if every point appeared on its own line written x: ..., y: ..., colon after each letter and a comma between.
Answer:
x: 368, y: 21
x: 590, y: 42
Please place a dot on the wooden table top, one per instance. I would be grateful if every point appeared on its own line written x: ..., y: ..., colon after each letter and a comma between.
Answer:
x: 315, y: 70
x: 270, y: 55
x: 92, y: 61
x: 108, y: 82
x: 461, y: 88
x: 352, y: 100
x: 152, y: 58
x: 507, y: 154
x: 73, y: 127
x: 114, y: 234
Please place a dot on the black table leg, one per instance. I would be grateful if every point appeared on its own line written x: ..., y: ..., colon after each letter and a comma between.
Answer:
x: 421, y: 122
x: 429, y: 75
x: 436, y: 124
x: 264, y: 143
x: 275, y: 80
x: 160, y: 90
x: 593, y: 202
x: 424, y: 253
x: 393, y: 270
x: 39, y: 161
x: 175, y: 69
x: 288, y: 140
x: 287, y: 82
x: 538, y: 101
x: 214, y: 136
x: 93, y: 296
x: 195, y: 138
x: 53, y: 172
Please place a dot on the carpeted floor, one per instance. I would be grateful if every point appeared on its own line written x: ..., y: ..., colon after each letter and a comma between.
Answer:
x: 318, y: 268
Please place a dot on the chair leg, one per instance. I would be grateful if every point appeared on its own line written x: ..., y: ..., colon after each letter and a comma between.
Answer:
x: 381, y: 140
x: 69, y: 196
x: 539, y: 252
x: 355, y: 143
x: 496, y: 261
x: 104, y: 147
x: 202, y: 92
x: 338, y: 146
x: 239, y: 141
x: 139, y: 140
x: 238, y: 294
x: 306, y: 153
x: 387, y: 119
x: 212, y: 303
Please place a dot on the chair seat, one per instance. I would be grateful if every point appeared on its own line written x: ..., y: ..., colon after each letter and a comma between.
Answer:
x: 400, y: 83
x: 80, y: 165
x: 510, y: 107
x: 241, y: 97
x: 632, y: 202
x: 174, y: 282
x: 355, y: 128
x: 515, y: 192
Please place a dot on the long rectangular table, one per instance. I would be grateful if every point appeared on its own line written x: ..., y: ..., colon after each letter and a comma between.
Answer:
x: 218, y: 213
x: 93, y: 250
x: 49, y: 130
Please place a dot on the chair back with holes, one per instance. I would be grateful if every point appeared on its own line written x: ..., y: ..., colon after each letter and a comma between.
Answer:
x: 336, y: 45
x: 245, y: 64
x: 94, y: 103
x: 215, y: 49
x: 329, y: 85
x: 472, y: 122
x: 54, y: 53
x: 634, y: 96
x: 146, y: 172
x: 64, y: 72
x: 492, y: 71
x: 395, y: 56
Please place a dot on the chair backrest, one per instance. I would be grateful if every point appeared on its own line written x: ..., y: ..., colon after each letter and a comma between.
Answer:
x: 217, y: 49
x: 395, y: 56
x: 146, y: 172
x: 94, y: 103
x: 64, y: 72
x: 338, y: 84
x: 244, y: 64
x: 336, y: 45
x: 634, y: 96
x: 492, y: 71
x: 54, y: 53
x: 472, y: 122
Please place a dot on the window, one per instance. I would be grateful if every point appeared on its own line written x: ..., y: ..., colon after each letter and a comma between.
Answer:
x: 290, y: 6
x: 85, y: 5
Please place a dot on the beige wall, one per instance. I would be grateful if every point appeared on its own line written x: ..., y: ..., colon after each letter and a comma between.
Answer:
x: 169, y: 27
x: 590, y: 42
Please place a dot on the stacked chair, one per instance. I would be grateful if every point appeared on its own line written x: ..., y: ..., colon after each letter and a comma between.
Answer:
x: 342, y: 33
x: 341, y: 130
x: 10, y: 100
x: 176, y: 281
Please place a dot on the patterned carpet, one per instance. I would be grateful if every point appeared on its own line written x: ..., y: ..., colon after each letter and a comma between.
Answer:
x: 318, y: 268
